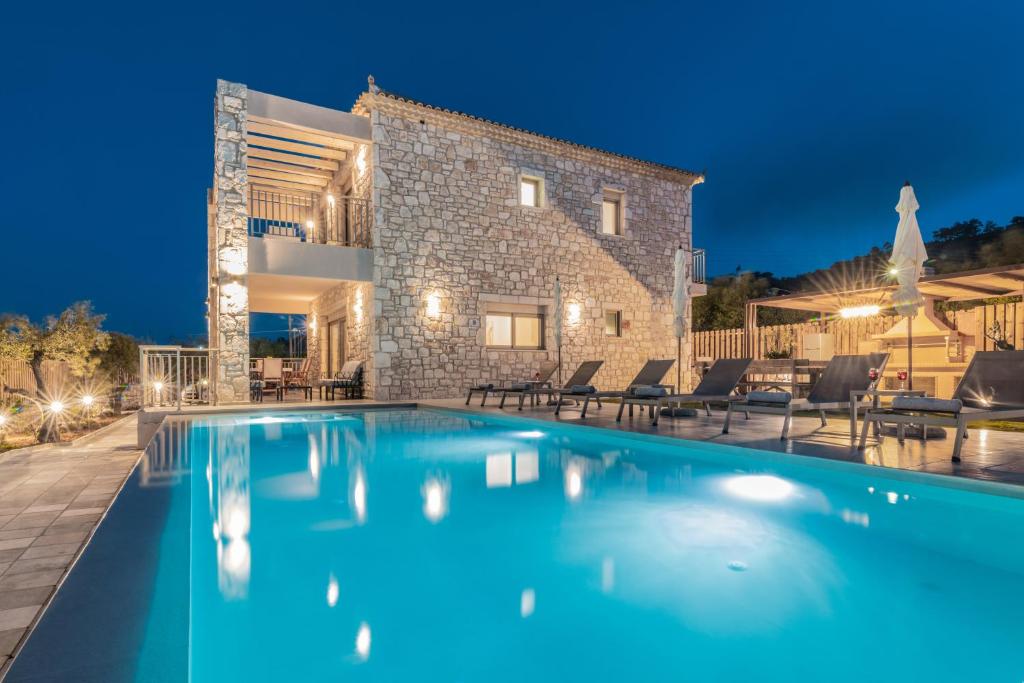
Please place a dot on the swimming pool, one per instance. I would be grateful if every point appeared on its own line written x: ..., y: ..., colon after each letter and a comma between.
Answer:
x: 422, y: 545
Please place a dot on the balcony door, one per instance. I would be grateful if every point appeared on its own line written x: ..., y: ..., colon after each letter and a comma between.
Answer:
x: 335, y: 346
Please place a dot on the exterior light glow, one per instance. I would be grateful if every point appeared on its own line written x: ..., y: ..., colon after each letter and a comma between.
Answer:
x: 894, y: 271
x: 56, y: 407
x: 158, y: 387
x: 361, y: 160
x: 88, y: 400
x: 574, y: 313
x: 763, y: 488
x: 434, y: 305
x: 3, y: 420
x: 330, y: 200
x: 859, y: 311
x: 309, y: 225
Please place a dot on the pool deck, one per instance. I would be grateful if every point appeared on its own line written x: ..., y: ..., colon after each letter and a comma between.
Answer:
x: 53, y: 497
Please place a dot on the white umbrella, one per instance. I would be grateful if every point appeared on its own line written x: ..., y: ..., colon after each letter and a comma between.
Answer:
x: 558, y: 326
x: 907, y: 264
x: 680, y: 296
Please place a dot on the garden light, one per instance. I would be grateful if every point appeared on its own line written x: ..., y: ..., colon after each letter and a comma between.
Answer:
x: 56, y: 407
x: 88, y: 400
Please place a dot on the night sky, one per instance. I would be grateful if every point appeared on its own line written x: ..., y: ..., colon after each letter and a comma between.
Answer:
x: 807, y: 119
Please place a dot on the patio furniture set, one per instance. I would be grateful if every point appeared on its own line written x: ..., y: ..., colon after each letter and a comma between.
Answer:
x: 270, y: 375
x: 991, y: 389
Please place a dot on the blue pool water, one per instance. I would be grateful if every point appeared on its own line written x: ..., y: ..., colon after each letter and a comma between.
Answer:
x: 428, y: 546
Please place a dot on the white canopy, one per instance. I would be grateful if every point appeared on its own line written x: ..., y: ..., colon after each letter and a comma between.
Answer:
x: 680, y: 295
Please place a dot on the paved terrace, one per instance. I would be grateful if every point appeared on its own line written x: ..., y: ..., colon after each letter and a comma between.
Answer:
x: 53, y: 497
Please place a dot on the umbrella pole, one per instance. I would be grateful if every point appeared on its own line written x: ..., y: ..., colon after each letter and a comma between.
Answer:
x: 559, y: 365
x: 679, y: 364
x: 910, y: 353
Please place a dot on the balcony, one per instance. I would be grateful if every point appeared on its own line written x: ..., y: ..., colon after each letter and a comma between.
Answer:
x: 310, y: 218
x: 698, y: 272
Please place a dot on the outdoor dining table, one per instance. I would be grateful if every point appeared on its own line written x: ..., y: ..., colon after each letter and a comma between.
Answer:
x: 875, y: 394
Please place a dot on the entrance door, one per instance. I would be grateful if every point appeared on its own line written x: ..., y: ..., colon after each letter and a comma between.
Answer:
x: 335, y: 346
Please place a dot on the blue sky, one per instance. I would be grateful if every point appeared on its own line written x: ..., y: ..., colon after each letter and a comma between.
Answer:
x: 807, y: 118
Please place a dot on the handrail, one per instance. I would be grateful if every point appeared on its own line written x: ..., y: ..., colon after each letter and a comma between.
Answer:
x: 343, y: 221
x: 171, y: 375
x: 699, y: 266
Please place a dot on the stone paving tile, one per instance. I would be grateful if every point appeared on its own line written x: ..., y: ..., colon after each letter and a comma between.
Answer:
x: 30, y: 579
x: 22, y: 533
x: 9, y: 640
x: 27, y: 521
x: 37, y: 564
x: 55, y: 550
x: 59, y: 538
x: 80, y: 512
x: 18, y: 617
x: 15, y: 543
x: 45, y: 508
x: 23, y: 598
x: 11, y: 555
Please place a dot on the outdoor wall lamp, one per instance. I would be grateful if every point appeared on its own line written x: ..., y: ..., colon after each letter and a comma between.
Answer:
x: 574, y: 313
x: 434, y: 305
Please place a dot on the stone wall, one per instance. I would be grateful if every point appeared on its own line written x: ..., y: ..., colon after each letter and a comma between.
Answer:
x: 448, y: 223
x: 229, y: 295
x: 351, y: 301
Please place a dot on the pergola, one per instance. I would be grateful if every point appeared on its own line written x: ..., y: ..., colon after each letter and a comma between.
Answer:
x: 968, y: 285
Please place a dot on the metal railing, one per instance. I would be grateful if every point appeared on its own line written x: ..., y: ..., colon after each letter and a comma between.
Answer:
x: 288, y: 365
x: 175, y: 375
x: 699, y: 267
x: 343, y: 221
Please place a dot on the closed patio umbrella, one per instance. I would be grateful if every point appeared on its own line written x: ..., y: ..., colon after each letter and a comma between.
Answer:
x: 680, y: 296
x: 558, y: 326
x: 907, y: 264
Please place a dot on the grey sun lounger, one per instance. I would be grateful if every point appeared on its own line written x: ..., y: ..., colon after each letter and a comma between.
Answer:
x: 718, y: 385
x: 991, y: 389
x: 842, y: 375
x: 584, y: 373
x: 650, y: 375
x: 544, y: 372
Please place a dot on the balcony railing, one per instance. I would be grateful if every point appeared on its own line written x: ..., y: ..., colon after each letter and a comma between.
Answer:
x: 174, y: 375
x: 343, y: 221
x: 699, y: 267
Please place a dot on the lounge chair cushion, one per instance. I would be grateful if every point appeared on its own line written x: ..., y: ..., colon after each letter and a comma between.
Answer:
x: 519, y: 386
x: 782, y: 397
x: 582, y: 389
x: 483, y: 386
x: 939, y: 405
x: 650, y: 392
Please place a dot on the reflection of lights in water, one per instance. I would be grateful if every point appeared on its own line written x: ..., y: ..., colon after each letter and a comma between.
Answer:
x: 498, y: 470
x: 237, y: 522
x: 737, y: 566
x: 573, y: 482
x: 892, y: 497
x: 532, y: 434
x: 527, y: 602
x: 527, y: 467
x: 363, y: 641
x: 853, y: 517
x: 607, y: 574
x: 314, y: 459
x: 871, y: 489
x: 764, y: 488
x: 359, y: 495
x: 332, y: 591
x: 435, y: 499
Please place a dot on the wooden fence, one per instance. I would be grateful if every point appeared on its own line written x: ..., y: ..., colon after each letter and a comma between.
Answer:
x: 17, y: 375
x: 848, y: 334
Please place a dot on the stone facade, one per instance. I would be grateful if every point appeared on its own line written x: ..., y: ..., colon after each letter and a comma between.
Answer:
x: 449, y: 230
x: 229, y: 296
x: 351, y: 302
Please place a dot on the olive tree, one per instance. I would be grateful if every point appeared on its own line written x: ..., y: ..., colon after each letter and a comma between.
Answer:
x: 74, y: 337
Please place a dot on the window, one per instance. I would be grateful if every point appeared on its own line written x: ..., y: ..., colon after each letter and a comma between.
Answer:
x: 531, y: 191
x: 611, y: 213
x: 514, y: 330
x: 613, y: 323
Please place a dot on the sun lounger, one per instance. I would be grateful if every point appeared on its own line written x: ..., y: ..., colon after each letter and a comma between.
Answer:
x: 991, y: 389
x: 718, y: 385
x: 580, y: 381
x: 831, y: 392
x: 349, y: 379
x: 545, y: 371
x: 650, y: 376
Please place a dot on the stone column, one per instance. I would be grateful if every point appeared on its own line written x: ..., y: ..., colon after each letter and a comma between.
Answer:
x: 232, y: 244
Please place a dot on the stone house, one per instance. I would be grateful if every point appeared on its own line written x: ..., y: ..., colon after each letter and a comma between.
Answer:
x: 427, y: 242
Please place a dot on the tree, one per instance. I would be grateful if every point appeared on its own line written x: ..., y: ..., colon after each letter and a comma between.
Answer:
x: 120, y: 358
x: 74, y: 337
